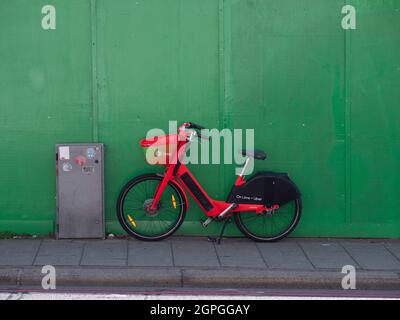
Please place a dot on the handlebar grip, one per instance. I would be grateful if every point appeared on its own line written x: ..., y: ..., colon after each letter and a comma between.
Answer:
x: 195, y: 126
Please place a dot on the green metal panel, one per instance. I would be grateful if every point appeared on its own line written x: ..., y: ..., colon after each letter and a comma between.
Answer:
x: 375, y: 118
x: 285, y: 78
x: 157, y: 61
x: 45, y: 98
x: 322, y: 100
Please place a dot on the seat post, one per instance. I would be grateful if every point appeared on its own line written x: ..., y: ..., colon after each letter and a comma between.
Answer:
x: 244, y: 167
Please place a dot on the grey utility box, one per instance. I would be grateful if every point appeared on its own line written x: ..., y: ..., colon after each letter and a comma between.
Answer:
x: 80, y: 191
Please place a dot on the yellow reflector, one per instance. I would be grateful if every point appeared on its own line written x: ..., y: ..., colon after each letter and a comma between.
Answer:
x: 173, y: 201
x: 131, y: 221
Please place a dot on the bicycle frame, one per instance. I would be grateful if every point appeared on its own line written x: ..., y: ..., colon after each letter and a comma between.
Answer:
x: 180, y: 175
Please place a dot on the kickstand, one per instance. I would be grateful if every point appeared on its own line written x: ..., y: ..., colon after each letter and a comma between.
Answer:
x: 218, y: 240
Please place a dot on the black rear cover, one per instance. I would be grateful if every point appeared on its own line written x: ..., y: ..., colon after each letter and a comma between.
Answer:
x: 267, y: 188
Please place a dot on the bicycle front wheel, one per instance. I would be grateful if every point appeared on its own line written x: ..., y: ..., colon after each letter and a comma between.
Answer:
x: 270, y: 226
x: 136, y: 216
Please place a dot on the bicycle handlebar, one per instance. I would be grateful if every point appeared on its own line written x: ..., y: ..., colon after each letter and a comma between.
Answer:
x: 192, y: 125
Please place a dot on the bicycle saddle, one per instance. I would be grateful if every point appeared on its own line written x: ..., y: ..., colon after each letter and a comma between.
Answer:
x: 256, y: 154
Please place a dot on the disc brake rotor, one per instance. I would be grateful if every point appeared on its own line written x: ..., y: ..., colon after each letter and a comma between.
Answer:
x: 147, y: 207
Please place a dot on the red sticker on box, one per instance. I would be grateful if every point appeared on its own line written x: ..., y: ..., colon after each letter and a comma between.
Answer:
x: 80, y: 160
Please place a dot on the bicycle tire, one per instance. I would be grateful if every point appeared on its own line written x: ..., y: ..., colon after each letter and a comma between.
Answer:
x: 130, y: 229
x: 239, y: 220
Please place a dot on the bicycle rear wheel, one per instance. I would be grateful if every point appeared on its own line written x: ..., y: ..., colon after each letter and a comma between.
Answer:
x: 136, y: 216
x: 270, y: 226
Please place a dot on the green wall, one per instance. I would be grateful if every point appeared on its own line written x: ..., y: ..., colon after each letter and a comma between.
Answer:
x: 324, y: 101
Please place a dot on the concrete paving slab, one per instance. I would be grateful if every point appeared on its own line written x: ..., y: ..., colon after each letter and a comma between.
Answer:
x: 236, y: 253
x: 394, y: 248
x: 142, y: 254
x: 372, y: 256
x: 328, y: 255
x: 105, y: 263
x: 194, y: 253
x: 284, y: 255
x: 105, y: 253
x: 59, y: 253
x: 18, y: 252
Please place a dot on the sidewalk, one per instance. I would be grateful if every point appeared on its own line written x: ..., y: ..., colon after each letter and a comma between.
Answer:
x: 195, y: 262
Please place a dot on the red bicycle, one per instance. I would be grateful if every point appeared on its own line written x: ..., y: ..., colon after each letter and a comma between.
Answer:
x: 266, y: 207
